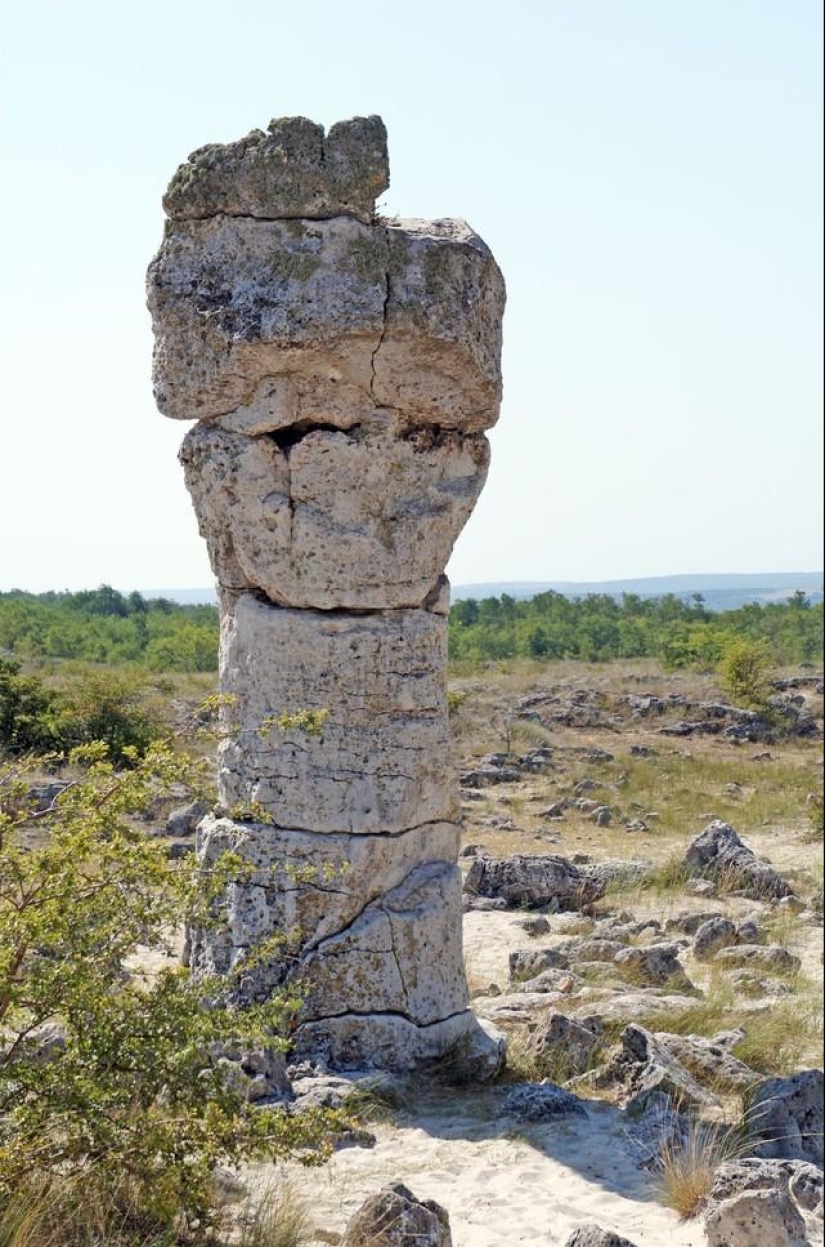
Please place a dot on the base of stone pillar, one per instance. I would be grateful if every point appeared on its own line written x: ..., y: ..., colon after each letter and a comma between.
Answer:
x: 462, y: 1047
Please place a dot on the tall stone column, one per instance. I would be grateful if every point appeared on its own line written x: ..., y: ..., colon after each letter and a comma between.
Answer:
x: 342, y: 370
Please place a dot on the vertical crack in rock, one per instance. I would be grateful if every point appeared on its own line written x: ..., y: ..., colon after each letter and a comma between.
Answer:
x: 341, y: 373
x: 383, y: 333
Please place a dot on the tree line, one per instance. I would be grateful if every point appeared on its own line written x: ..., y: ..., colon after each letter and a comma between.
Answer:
x: 105, y: 626
x: 600, y: 627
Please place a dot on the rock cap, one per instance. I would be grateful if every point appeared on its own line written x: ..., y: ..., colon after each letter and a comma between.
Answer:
x: 292, y: 169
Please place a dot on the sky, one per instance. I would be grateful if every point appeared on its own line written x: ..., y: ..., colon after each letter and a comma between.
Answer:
x: 648, y: 174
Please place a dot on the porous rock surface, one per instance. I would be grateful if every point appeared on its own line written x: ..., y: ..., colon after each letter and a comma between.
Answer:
x: 787, y: 1115
x: 341, y: 370
x: 754, y: 1202
x: 718, y: 854
x: 395, y: 1218
x: 594, y: 1236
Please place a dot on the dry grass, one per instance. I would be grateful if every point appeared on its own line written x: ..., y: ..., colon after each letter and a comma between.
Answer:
x: 780, y: 1039
x: 77, y: 1213
x: 280, y: 1218
x: 689, y: 1162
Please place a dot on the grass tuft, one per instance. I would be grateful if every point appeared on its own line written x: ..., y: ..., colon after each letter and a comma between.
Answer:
x: 689, y: 1162
x: 280, y: 1219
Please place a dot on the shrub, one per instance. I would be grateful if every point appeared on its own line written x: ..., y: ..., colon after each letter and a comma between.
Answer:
x: 28, y: 712
x: 93, y: 705
x: 106, y: 1082
x: 109, y: 706
x: 743, y: 673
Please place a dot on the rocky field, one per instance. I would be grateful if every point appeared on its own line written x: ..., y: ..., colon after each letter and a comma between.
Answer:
x: 643, y: 873
x: 643, y: 897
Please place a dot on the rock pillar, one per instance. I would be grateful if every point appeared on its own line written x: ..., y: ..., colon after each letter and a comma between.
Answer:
x: 342, y: 370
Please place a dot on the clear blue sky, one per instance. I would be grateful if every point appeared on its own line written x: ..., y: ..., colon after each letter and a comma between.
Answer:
x: 647, y: 172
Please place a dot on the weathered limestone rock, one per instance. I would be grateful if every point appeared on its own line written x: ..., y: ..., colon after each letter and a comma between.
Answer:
x: 342, y: 370
x: 594, y: 1236
x: 719, y: 854
x: 395, y: 1218
x: 383, y: 762
x: 753, y: 1203
x: 533, y: 879
x: 273, y: 323
x: 292, y: 170
x: 643, y: 1069
x: 787, y: 1115
x: 362, y: 518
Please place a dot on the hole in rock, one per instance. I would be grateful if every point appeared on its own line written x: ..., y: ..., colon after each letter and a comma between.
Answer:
x: 286, y: 438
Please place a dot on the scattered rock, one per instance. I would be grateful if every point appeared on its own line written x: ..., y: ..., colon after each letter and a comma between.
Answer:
x: 689, y: 923
x: 590, y: 949
x: 395, y: 1218
x: 753, y: 1203
x: 526, y: 963
x: 756, y: 1219
x: 713, y: 935
x: 541, y: 1102
x: 626, y: 1006
x: 259, y: 1073
x: 747, y: 932
x: 643, y: 1070
x: 718, y: 853
x: 492, y: 904
x: 658, y: 965
x: 602, y: 816
x: 789, y: 905
x: 565, y: 1045
x: 559, y: 981
x: 535, y: 880
x: 594, y: 1236
x: 710, y: 1061
x: 804, y: 1181
x: 766, y: 957
x: 755, y: 987
x: 178, y: 850
x: 184, y: 820
x: 701, y: 887
x: 787, y: 1115
x: 488, y: 776
x: 603, y: 875
x: 535, y: 926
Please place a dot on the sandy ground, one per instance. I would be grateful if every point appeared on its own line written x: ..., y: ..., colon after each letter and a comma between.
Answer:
x: 501, y: 1182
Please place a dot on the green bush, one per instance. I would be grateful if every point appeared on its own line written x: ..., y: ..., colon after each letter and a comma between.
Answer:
x: 743, y: 672
x: 28, y: 712
x: 108, y: 1081
x: 92, y: 705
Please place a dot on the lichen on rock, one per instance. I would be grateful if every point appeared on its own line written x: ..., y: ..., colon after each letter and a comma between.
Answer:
x: 341, y: 371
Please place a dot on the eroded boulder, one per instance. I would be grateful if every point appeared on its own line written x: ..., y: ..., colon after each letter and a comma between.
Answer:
x: 395, y: 1218
x: 720, y: 856
x: 534, y: 880
x: 787, y: 1116
x: 594, y: 1236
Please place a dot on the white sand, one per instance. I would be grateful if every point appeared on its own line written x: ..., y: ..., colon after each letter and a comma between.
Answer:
x: 501, y: 1182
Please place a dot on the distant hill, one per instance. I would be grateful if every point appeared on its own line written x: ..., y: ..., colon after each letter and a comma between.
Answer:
x: 186, y: 597
x: 720, y: 592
